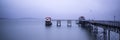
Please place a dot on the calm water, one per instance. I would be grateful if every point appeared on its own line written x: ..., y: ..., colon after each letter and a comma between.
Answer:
x: 17, y: 29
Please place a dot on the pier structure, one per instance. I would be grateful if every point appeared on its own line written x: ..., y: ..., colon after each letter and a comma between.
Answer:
x: 92, y: 26
x: 68, y: 21
x: 106, y: 25
x: 48, y: 21
x: 58, y: 22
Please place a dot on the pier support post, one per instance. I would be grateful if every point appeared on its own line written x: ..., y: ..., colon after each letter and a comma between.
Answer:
x: 69, y: 23
x: 119, y: 34
x: 58, y: 22
x: 108, y: 34
x: 90, y: 27
x: 105, y: 34
x: 96, y: 32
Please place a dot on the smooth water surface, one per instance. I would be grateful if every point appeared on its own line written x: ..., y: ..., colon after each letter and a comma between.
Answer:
x: 35, y: 29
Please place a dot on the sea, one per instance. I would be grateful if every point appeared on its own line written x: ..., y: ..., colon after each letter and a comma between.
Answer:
x: 35, y: 29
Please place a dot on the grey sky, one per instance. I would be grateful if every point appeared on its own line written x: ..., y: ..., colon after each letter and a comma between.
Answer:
x: 60, y: 9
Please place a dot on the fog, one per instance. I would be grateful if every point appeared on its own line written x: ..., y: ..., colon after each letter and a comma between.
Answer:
x: 60, y: 9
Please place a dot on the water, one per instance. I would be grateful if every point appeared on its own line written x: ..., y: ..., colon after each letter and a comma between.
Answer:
x: 35, y: 29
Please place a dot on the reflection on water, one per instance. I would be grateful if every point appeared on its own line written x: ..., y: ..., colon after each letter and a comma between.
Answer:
x: 36, y: 30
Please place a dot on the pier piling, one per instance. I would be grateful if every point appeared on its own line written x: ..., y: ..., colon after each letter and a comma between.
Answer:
x: 108, y: 37
x: 105, y: 34
x: 69, y: 23
x: 58, y: 22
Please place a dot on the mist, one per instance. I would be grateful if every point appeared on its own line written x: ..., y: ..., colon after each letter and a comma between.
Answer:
x: 61, y: 9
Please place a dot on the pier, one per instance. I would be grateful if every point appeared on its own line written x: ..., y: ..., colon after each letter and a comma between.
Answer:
x: 92, y: 26
x: 106, y: 25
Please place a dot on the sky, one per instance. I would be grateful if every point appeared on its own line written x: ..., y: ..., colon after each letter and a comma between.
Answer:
x: 60, y: 9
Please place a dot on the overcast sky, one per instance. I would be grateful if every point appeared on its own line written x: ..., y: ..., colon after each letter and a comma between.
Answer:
x: 60, y: 9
